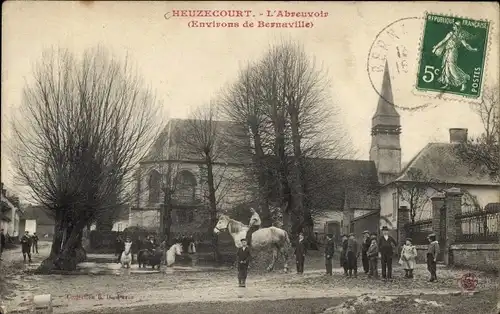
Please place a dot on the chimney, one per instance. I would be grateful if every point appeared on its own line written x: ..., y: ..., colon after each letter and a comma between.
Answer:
x: 458, y: 135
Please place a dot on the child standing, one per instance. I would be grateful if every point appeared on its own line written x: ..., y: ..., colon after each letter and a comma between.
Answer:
x: 352, y: 255
x: 343, y: 254
x: 408, y: 258
x: 372, y: 255
x: 432, y: 253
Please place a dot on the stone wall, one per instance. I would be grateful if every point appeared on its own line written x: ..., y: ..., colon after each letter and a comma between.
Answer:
x: 484, y: 257
x: 476, y: 256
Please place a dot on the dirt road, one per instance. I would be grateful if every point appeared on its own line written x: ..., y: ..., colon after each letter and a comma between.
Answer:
x: 129, y: 289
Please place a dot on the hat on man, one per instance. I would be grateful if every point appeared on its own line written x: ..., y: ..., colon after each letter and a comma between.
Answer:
x: 385, y: 228
x: 432, y: 235
x: 351, y: 234
x: 409, y: 239
x: 366, y: 232
x: 330, y: 235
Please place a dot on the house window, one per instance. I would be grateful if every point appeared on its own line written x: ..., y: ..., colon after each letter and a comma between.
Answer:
x: 185, y: 191
x: 394, y: 205
x: 154, y: 186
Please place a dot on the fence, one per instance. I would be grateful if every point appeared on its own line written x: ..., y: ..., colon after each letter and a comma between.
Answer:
x: 478, y: 226
x: 419, y: 231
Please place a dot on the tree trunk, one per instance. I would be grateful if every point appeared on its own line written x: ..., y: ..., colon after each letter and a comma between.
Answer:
x: 263, y: 186
x: 212, y: 203
x: 167, y: 215
x: 298, y: 187
x: 67, y: 251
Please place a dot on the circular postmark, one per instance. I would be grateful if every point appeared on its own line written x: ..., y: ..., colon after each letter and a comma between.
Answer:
x: 394, y: 49
x: 468, y: 282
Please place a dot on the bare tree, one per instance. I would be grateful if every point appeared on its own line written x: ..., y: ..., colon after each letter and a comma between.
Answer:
x: 416, y: 191
x: 83, y: 126
x: 202, y: 138
x: 483, y: 153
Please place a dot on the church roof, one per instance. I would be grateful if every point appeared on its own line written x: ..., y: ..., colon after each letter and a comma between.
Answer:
x: 176, y: 131
x: 333, y: 183
x: 439, y: 162
x: 386, y: 113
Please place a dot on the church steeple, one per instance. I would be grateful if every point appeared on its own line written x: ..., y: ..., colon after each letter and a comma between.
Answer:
x: 386, y: 114
x: 386, y: 126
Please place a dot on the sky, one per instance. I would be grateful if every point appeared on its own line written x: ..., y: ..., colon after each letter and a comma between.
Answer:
x: 188, y: 66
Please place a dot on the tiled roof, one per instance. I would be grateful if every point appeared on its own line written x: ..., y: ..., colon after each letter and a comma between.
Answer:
x: 440, y: 162
x: 39, y: 213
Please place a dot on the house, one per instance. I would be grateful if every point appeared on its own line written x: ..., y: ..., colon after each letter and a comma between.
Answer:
x: 10, y: 213
x: 39, y: 219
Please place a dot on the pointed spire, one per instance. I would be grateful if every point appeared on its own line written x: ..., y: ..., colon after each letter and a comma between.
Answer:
x: 386, y: 113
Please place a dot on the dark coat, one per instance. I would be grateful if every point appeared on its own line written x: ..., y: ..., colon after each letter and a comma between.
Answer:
x: 300, y: 249
x: 352, y: 246
x: 386, y: 247
x: 366, y: 244
x: 26, y: 242
x: 2, y: 239
x: 243, y: 256
x: 329, y: 248
x: 34, y: 238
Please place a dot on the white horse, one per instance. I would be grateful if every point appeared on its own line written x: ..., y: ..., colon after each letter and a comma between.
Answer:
x: 126, y: 258
x: 174, y: 250
x: 275, y: 238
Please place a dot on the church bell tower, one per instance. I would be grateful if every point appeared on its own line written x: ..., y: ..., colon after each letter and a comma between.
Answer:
x: 385, y: 149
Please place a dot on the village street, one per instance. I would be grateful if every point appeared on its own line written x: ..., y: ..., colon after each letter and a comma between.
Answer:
x: 186, y: 290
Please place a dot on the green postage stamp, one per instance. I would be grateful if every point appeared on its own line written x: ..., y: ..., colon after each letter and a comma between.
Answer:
x: 452, y: 55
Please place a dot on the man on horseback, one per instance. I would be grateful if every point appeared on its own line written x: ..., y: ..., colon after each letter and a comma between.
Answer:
x: 253, y: 225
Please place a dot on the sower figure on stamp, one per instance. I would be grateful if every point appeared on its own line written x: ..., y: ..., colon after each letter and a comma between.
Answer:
x: 253, y: 225
x: 386, y: 246
x: 329, y: 250
x: 372, y: 254
x: 432, y: 254
x: 364, y: 248
x: 352, y: 255
x: 343, y: 253
x: 300, y: 254
x: 35, y: 242
x: 243, y: 258
x: 26, y: 246
x: 451, y: 73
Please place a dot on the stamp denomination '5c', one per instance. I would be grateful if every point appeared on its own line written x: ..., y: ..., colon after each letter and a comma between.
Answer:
x: 452, y: 55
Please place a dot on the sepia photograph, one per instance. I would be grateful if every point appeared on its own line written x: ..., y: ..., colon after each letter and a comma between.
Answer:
x: 250, y: 157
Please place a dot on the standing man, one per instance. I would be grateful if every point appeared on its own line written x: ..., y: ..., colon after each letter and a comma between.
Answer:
x: 253, y: 225
x: 2, y: 243
x: 243, y: 258
x: 343, y: 254
x: 26, y: 246
x: 364, y: 248
x: 386, y: 246
x: 329, y: 250
x: 300, y: 254
x: 35, y: 242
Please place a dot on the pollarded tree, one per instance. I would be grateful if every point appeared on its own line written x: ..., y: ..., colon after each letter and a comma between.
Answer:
x: 83, y: 125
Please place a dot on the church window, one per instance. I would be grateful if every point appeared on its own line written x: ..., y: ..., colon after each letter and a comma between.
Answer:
x: 185, y: 191
x: 154, y: 187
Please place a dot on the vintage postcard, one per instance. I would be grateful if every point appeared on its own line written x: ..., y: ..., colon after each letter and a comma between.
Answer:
x: 250, y: 157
